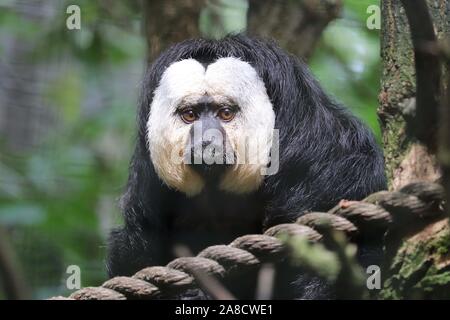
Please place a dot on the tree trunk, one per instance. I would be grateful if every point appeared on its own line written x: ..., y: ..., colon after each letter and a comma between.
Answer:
x: 296, y: 25
x: 421, y: 266
x: 444, y: 133
x: 168, y: 21
x: 407, y: 159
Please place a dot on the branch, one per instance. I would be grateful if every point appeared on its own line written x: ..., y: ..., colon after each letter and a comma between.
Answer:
x: 428, y: 71
x: 266, y: 277
x: 297, y: 25
x: 444, y: 133
x: 12, y: 279
x: 168, y: 21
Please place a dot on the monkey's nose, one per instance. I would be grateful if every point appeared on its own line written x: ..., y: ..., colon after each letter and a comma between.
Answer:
x: 208, y: 159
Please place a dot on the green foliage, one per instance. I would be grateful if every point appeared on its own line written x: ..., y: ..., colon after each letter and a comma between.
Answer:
x: 333, y: 260
x: 59, y: 198
x: 419, y: 270
x: 347, y: 62
x: 315, y: 257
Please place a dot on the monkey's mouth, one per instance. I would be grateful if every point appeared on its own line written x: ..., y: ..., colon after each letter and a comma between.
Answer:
x: 211, y: 165
x: 210, y: 171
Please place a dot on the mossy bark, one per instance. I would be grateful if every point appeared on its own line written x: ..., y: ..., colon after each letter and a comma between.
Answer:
x: 420, y: 267
x: 407, y: 160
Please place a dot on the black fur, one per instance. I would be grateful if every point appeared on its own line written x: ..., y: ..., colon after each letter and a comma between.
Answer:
x: 326, y: 154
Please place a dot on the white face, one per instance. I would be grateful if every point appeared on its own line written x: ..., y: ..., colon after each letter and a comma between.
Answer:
x: 227, y: 79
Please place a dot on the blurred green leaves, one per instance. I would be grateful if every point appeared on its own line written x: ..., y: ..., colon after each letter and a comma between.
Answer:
x: 221, y: 17
x: 52, y: 196
x: 21, y: 214
x: 347, y: 62
x: 66, y: 91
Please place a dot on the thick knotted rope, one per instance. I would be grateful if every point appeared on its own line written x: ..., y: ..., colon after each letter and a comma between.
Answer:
x: 373, y: 215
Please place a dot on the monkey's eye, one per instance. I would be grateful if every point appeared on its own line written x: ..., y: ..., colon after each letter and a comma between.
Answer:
x: 188, y: 115
x: 226, y: 114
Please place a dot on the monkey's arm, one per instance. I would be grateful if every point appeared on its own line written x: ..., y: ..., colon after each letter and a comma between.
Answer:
x: 133, y: 247
x: 142, y: 241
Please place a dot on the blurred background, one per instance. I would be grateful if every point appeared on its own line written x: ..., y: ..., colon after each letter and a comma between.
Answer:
x: 68, y: 101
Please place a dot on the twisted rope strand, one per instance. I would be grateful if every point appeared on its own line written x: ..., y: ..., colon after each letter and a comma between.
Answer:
x: 373, y: 215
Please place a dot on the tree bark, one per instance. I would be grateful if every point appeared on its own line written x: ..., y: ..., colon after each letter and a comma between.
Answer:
x: 444, y: 133
x: 421, y: 266
x: 296, y: 25
x: 407, y: 159
x: 169, y: 21
x: 412, y: 112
